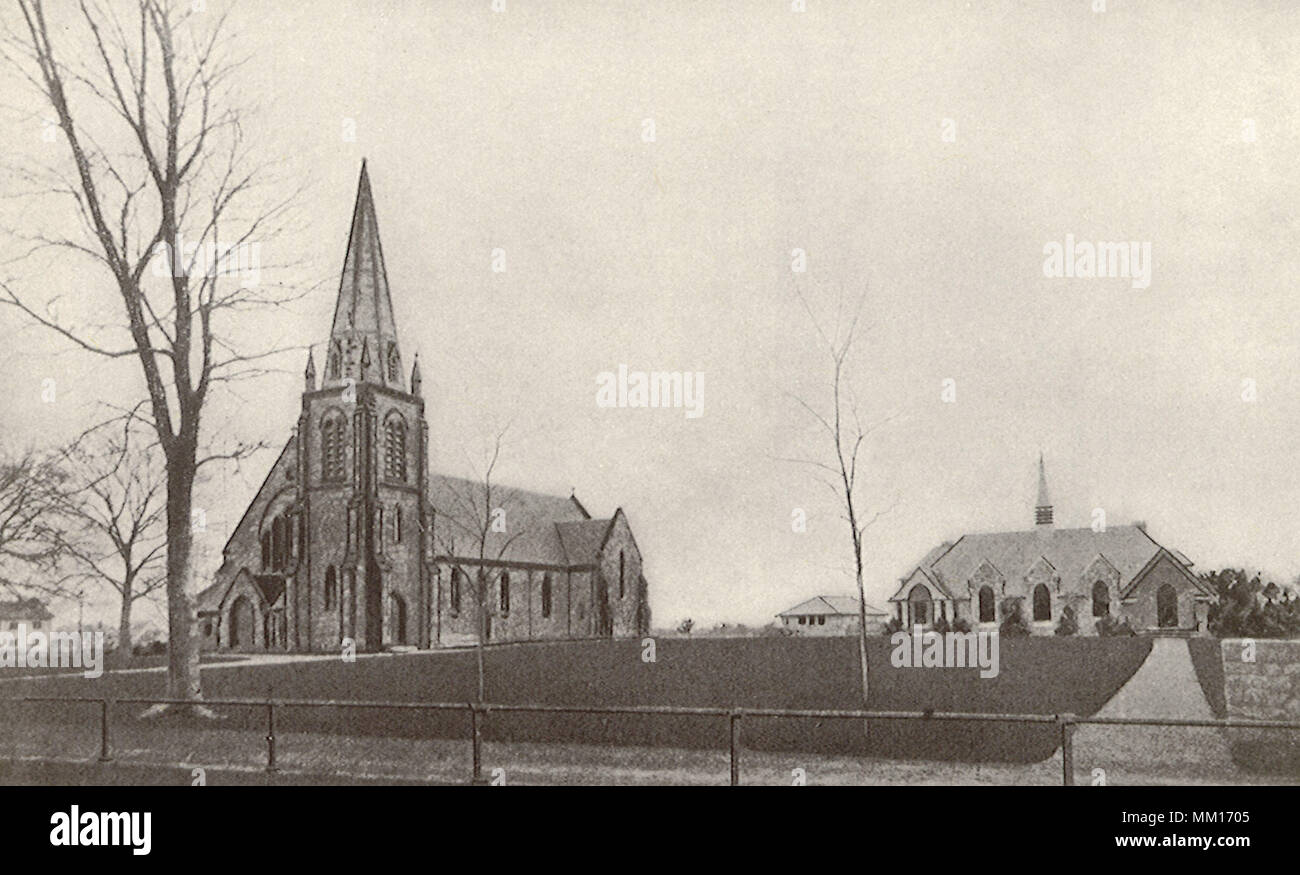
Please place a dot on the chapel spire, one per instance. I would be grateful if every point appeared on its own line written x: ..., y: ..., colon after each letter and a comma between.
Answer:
x: 1043, y: 507
x: 309, y: 375
x: 363, y: 314
x: 416, y: 382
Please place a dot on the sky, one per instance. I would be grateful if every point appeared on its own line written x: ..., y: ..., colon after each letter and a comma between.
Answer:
x: 921, y: 155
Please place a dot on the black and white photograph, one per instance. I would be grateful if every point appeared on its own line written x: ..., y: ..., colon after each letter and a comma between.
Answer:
x: 398, y: 397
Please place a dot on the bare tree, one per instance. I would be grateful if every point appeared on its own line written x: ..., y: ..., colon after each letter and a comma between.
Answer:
x: 145, y: 102
x: 30, y: 490
x: 115, y: 509
x: 476, y: 515
x: 845, y: 434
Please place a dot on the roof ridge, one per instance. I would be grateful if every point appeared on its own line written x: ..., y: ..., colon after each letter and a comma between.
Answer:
x: 497, y: 485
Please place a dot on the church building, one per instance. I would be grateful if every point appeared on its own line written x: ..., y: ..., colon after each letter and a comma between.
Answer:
x: 1112, y: 571
x: 351, y: 538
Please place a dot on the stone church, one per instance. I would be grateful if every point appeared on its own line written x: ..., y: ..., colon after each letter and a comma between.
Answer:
x: 352, y: 538
x: 1117, y: 571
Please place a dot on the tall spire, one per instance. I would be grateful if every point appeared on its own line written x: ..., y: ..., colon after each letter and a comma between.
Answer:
x: 309, y: 376
x: 1043, y: 508
x: 363, y: 314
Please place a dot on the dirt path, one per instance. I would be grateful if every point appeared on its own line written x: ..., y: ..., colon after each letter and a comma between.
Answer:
x: 1165, y: 685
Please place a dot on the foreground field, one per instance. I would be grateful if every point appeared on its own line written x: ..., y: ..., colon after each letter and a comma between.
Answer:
x: 167, y: 756
x: 1036, y: 676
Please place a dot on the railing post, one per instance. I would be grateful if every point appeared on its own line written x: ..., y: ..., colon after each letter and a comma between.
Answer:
x: 1066, y: 722
x: 476, y: 732
x: 734, y: 720
x: 105, y: 747
x: 270, y: 736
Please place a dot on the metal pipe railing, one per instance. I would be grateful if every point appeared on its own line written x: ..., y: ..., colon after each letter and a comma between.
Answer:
x: 479, y: 710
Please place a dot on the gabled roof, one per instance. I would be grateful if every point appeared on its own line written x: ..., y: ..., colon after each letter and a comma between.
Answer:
x: 1204, y: 588
x: 25, y: 609
x: 927, y: 573
x: 210, y: 597
x: 830, y: 605
x: 289, y: 447
x: 530, y: 526
x: 1069, y: 551
x: 582, y: 539
x: 270, y: 587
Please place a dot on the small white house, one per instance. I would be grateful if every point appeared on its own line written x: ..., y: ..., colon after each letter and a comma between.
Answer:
x: 830, y: 615
x: 29, y: 612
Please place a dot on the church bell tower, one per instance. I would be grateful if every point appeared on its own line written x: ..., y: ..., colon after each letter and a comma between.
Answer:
x: 362, y: 450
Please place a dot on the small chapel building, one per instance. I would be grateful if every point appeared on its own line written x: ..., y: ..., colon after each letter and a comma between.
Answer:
x: 1113, y: 571
x: 351, y: 538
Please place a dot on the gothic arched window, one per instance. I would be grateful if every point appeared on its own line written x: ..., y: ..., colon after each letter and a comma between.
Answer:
x: 334, y: 367
x: 457, y: 576
x: 331, y: 587
x: 1100, y: 600
x: 331, y: 456
x: 397, y: 524
x: 546, y: 595
x: 277, y: 544
x: 505, y: 593
x: 394, y: 369
x: 395, y: 448
x: 1042, y: 603
x: 988, y: 613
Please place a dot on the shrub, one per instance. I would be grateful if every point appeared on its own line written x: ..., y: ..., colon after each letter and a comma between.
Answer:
x: 1013, y: 620
x: 961, y: 624
x: 894, y: 625
x: 1067, y: 625
x: 1249, y: 608
x: 1113, y: 627
x: 940, y: 625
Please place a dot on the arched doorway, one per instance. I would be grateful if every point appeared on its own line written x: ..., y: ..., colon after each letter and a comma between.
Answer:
x: 1167, y: 606
x: 918, y: 601
x: 396, y: 618
x: 1042, y: 603
x: 241, y: 623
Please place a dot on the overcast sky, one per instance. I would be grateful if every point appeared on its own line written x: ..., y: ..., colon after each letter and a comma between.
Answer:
x: 1168, y: 123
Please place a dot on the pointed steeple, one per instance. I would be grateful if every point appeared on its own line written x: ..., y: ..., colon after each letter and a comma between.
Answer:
x: 309, y: 377
x: 416, y: 382
x: 363, y: 314
x: 1043, y: 507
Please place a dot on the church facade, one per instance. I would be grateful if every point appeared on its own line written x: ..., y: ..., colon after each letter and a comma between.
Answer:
x: 351, y: 538
x: 1118, y: 572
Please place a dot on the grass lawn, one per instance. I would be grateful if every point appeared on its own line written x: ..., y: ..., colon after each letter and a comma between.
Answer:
x: 1039, y: 676
x: 168, y: 755
x: 1207, y: 660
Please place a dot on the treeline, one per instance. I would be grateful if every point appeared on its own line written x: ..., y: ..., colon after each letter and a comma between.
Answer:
x: 1247, y: 607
